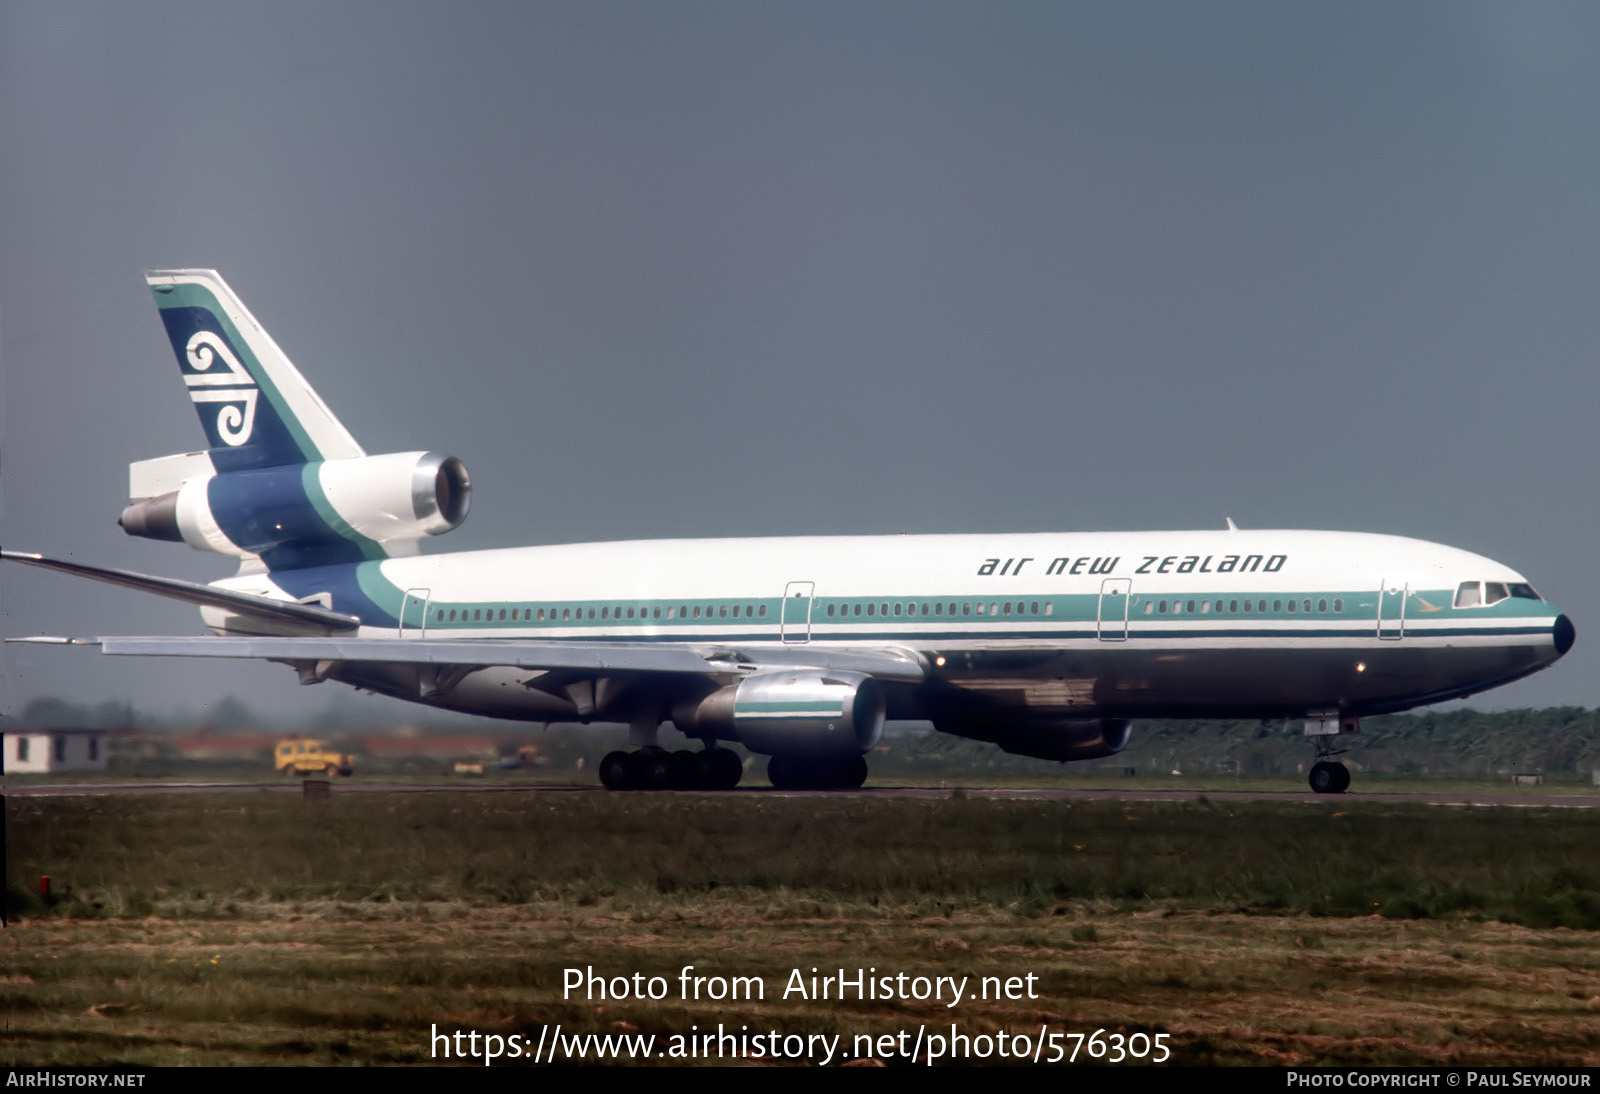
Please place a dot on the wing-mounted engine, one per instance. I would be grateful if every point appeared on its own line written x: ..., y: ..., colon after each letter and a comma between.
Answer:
x: 1062, y: 739
x: 350, y: 506
x: 802, y: 712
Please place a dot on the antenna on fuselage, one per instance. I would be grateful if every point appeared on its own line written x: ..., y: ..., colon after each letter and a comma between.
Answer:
x: 1232, y: 527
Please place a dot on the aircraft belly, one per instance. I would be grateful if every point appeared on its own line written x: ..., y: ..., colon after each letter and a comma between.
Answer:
x: 1133, y: 682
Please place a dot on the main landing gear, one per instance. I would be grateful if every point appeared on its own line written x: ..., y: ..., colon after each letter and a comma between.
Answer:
x: 654, y: 768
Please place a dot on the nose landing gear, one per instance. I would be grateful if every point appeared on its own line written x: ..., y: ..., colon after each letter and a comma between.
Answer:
x: 1329, y: 776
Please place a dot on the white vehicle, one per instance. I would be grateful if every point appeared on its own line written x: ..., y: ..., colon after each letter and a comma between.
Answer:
x: 797, y: 648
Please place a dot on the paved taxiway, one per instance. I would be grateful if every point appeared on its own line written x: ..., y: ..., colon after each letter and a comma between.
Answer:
x: 1540, y: 801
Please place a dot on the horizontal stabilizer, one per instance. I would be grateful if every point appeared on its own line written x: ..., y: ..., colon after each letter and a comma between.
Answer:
x: 192, y: 592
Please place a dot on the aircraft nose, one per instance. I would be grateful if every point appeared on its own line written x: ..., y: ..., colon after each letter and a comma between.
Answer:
x: 1563, y: 634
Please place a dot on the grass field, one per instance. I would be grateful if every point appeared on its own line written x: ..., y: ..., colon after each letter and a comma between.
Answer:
x: 259, y: 928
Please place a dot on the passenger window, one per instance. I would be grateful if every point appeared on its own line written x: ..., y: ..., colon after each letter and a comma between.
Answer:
x: 1467, y: 595
x: 1247, y: 605
x: 1494, y: 592
x: 1322, y: 605
x: 1205, y: 606
x: 1338, y: 604
x: 1291, y: 606
x: 1049, y: 607
x: 1190, y: 607
x: 1162, y: 608
x: 1233, y: 605
x: 1149, y: 606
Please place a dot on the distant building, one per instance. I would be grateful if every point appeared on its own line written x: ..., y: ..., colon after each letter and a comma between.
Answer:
x: 52, y: 750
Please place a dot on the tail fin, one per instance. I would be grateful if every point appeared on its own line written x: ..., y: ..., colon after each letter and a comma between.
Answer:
x: 256, y: 408
x: 283, y: 481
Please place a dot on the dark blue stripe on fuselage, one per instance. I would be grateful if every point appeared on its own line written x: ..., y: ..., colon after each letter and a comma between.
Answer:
x: 343, y: 584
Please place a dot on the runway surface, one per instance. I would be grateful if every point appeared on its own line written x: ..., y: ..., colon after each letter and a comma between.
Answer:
x: 1524, y: 800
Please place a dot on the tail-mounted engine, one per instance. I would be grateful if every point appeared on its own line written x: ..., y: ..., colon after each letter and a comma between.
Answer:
x: 806, y: 712
x: 304, y: 508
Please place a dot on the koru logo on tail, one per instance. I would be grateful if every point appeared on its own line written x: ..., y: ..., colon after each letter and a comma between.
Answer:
x: 234, y: 389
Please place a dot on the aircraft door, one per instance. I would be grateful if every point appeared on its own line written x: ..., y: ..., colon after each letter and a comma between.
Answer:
x: 1392, y: 610
x: 1113, y: 616
x: 414, y: 614
x: 794, y: 619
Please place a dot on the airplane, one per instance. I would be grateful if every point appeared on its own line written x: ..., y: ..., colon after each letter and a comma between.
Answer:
x: 800, y: 649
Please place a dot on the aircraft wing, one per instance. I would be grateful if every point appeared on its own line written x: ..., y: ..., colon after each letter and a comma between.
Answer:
x: 885, y: 663
x: 192, y: 592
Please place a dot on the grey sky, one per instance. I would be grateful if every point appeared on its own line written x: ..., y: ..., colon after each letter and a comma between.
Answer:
x: 682, y: 269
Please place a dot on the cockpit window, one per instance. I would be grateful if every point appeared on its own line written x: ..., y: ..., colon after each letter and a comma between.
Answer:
x: 1525, y: 592
x: 1494, y: 592
x: 1467, y: 595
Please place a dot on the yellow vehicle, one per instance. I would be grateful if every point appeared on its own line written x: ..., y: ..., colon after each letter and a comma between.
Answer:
x: 309, y: 756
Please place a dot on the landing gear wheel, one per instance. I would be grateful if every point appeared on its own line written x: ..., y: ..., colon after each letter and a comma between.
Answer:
x: 850, y: 774
x: 685, y: 768
x: 1329, y: 778
x: 616, y: 771
x: 720, y: 768
x: 652, y: 769
x: 783, y: 772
